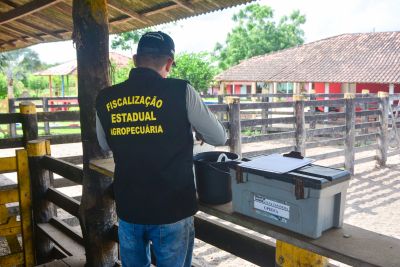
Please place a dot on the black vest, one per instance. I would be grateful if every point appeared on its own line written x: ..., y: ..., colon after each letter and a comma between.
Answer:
x: 147, y: 128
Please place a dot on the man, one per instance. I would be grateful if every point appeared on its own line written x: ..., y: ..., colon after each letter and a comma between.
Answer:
x: 146, y: 122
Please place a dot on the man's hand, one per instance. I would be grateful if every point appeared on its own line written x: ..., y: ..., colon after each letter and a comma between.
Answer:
x: 198, y: 137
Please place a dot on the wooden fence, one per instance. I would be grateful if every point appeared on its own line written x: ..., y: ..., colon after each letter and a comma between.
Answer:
x: 306, y: 127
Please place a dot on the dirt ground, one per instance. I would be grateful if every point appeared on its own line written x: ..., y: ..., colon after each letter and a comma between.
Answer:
x: 373, y: 200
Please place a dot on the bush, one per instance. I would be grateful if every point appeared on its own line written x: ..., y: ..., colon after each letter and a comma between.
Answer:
x: 3, y: 86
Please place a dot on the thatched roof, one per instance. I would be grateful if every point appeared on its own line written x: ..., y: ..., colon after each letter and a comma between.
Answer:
x: 361, y: 57
x: 70, y: 67
x: 27, y: 22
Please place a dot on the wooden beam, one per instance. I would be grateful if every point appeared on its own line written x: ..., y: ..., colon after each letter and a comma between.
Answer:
x: 22, y: 39
x: 34, y: 36
x: 185, y: 4
x: 9, y: 3
x: 10, y: 43
x: 123, y: 9
x: 158, y: 9
x: 26, y: 9
x: 40, y: 16
x: 33, y: 26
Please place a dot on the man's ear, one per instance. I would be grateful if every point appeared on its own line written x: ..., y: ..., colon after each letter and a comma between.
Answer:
x: 169, y: 64
x: 134, y: 60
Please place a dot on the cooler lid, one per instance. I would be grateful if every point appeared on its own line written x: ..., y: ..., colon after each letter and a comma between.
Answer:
x: 313, y: 176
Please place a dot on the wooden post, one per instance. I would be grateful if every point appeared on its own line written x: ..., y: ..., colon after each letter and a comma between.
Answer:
x: 326, y: 91
x: 300, y: 124
x: 11, y: 109
x: 97, y: 208
x: 350, y: 132
x: 383, y: 139
x: 29, y: 121
x: 45, y: 102
x: 365, y: 93
x: 220, y: 115
x: 313, y: 123
x: 234, y: 125
x: 43, y: 210
x: 24, y: 187
x: 264, y: 114
x: 288, y: 255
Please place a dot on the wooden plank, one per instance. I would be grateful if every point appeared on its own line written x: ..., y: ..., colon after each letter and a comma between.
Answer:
x: 218, y: 107
x: 351, y: 245
x: 330, y: 142
x: 26, y: 9
x: 68, y: 230
x: 235, y: 241
x: 63, y: 168
x: 63, y: 201
x: 13, y: 259
x: 62, y: 182
x: 235, y: 144
x: 11, y: 142
x: 19, y: 31
x: 41, y: 29
x: 73, y: 159
x: 58, y: 116
x: 63, y: 139
x: 8, y: 195
x: 328, y: 103
x: 127, y: 11
x: 8, y: 164
x: 369, y: 136
x: 331, y: 130
x: 266, y: 137
x: 265, y: 105
x: 249, y: 123
x: 67, y: 244
x: 10, y: 118
x: 24, y: 187
x: 186, y: 5
x: 325, y: 116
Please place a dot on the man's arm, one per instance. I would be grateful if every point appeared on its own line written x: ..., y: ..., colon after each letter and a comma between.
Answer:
x: 101, y: 135
x: 203, y: 120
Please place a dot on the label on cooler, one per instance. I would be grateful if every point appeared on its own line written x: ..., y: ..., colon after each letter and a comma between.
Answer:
x: 279, y: 211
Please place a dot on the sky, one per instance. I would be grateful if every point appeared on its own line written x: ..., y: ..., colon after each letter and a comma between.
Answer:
x: 324, y: 18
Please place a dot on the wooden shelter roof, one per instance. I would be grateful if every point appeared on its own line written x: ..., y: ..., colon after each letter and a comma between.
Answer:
x: 70, y: 67
x: 360, y: 57
x: 28, y: 22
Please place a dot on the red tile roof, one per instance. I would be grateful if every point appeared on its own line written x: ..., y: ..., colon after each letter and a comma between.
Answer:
x: 361, y: 57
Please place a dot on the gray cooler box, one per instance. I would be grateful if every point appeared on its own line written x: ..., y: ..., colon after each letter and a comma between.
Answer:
x: 307, y: 200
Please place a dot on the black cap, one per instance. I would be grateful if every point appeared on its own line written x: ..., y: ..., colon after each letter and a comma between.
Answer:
x: 156, y: 43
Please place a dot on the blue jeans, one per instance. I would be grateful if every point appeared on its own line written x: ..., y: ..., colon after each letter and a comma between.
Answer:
x: 172, y: 243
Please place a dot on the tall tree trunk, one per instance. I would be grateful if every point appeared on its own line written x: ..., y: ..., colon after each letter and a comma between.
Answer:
x: 97, y: 207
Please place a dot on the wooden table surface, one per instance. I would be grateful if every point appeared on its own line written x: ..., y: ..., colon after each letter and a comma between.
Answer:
x: 350, y: 244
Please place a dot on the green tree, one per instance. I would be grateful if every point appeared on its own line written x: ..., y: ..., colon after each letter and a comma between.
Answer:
x: 197, y: 68
x: 127, y: 40
x: 257, y: 33
x: 16, y: 65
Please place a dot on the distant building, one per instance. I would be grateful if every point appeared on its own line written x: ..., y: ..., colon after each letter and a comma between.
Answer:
x: 343, y: 63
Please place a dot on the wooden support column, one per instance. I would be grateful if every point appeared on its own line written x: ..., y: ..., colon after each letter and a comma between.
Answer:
x: 288, y: 255
x: 350, y: 132
x: 235, y: 127
x: 12, y: 131
x: 383, y: 139
x: 264, y: 114
x: 326, y: 91
x: 365, y: 106
x: 391, y: 92
x: 313, y: 123
x: 24, y: 187
x: 45, y: 102
x: 222, y: 88
x: 29, y: 121
x: 97, y: 210
x: 300, y: 124
x: 43, y: 210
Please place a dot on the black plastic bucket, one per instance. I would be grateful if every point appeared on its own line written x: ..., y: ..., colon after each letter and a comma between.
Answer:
x: 213, y: 179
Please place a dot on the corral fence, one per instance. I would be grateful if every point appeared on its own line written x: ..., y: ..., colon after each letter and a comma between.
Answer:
x: 356, y: 123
